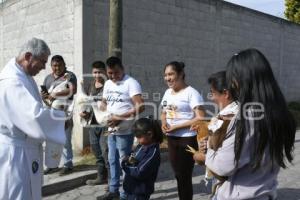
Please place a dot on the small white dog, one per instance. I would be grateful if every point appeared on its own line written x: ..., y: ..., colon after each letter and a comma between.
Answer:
x: 87, y: 104
x: 60, y: 103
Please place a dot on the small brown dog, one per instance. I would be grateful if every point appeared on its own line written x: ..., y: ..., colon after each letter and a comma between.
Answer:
x: 202, y: 132
x: 215, y: 141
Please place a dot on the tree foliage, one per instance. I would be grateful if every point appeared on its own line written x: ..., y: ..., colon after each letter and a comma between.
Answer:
x: 292, y: 10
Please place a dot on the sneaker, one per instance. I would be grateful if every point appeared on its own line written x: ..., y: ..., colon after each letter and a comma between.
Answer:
x: 51, y: 170
x: 97, y: 181
x: 109, y: 196
x: 65, y: 171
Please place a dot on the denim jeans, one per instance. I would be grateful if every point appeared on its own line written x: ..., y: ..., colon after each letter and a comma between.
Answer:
x: 67, y: 151
x: 138, y: 197
x: 98, y: 142
x: 118, y: 146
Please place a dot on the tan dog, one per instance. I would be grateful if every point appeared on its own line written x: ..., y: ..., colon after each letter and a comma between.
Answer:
x: 215, y: 141
x: 202, y: 132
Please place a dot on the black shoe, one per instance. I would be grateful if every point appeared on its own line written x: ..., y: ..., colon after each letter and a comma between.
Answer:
x: 51, y: 170
x: 65, y: 171
x: 109, y: 196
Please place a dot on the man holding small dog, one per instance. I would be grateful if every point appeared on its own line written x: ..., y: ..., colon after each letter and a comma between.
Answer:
x: 121, y: 97
x: 55, y: 78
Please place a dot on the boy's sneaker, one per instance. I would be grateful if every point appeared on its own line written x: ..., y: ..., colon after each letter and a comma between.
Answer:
x: 109, y: 196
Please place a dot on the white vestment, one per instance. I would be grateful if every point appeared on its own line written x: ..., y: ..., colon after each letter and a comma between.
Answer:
x: 24, y: 125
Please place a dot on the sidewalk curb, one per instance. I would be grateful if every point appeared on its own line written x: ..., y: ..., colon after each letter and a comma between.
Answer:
x: 80, y: 180
x: 67, y: 185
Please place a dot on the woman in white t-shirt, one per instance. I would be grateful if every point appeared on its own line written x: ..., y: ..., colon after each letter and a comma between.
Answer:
x: 181, y: 108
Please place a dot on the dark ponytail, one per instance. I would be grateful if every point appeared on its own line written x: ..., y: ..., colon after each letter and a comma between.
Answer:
x: 178, y: 67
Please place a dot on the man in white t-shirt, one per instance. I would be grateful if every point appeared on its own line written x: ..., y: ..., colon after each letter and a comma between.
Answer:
x: 121, y: 97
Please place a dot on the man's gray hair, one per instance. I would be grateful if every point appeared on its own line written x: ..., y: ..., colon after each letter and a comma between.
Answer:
x: 36, y: 47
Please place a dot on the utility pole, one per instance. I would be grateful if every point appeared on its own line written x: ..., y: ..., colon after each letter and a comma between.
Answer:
x: 115, y: 29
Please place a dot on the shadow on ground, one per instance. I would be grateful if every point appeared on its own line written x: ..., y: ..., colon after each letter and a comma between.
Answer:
x: 288, y: 193
x: 80, y: 168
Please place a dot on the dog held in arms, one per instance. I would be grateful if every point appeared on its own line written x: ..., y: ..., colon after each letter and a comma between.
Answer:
x: 88, y: 104
x: 216, y: 130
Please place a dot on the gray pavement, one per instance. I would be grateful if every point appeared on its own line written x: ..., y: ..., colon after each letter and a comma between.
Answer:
x: 165, y: 187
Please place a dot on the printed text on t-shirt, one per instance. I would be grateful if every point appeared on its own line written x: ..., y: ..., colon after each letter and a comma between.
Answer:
x: 114, y: 96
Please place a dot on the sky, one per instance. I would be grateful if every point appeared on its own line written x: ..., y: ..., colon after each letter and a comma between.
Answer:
x: 272, y: 7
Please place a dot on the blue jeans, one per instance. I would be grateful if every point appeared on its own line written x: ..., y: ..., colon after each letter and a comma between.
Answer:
x: 118, y: 146
x: 67, y: 151
x: 98, y: 142
x: 138, y: 197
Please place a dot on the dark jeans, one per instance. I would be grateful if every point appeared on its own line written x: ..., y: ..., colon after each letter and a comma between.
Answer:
x: 98, y: 142
x: 137, y: 197
x: 182, y: 163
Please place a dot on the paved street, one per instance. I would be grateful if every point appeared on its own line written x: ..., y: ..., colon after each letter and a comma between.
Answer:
x: 288, y: 189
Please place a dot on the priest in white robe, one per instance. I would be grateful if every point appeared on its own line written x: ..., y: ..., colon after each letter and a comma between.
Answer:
x: 25, y: 124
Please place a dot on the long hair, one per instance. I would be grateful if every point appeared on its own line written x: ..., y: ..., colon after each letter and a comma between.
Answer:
x: 145, y: 125
x: 251, y: 80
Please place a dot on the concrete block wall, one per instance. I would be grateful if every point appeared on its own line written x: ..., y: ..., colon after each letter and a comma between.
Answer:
x: 202, y: 33
x: 52, y: 21
x: 59, y: 23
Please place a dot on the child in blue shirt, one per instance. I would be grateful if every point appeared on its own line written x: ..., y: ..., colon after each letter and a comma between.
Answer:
x: 141, y: 168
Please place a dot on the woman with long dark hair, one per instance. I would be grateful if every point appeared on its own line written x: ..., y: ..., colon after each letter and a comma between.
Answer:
x: 261, y: 140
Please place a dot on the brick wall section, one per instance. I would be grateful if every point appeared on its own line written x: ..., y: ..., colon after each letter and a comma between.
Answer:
x: 204, y: 34
x: 51, y: 20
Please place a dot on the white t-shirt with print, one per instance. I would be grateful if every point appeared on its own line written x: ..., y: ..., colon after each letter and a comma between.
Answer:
x: 118, y: 96
x: 179, y: 109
